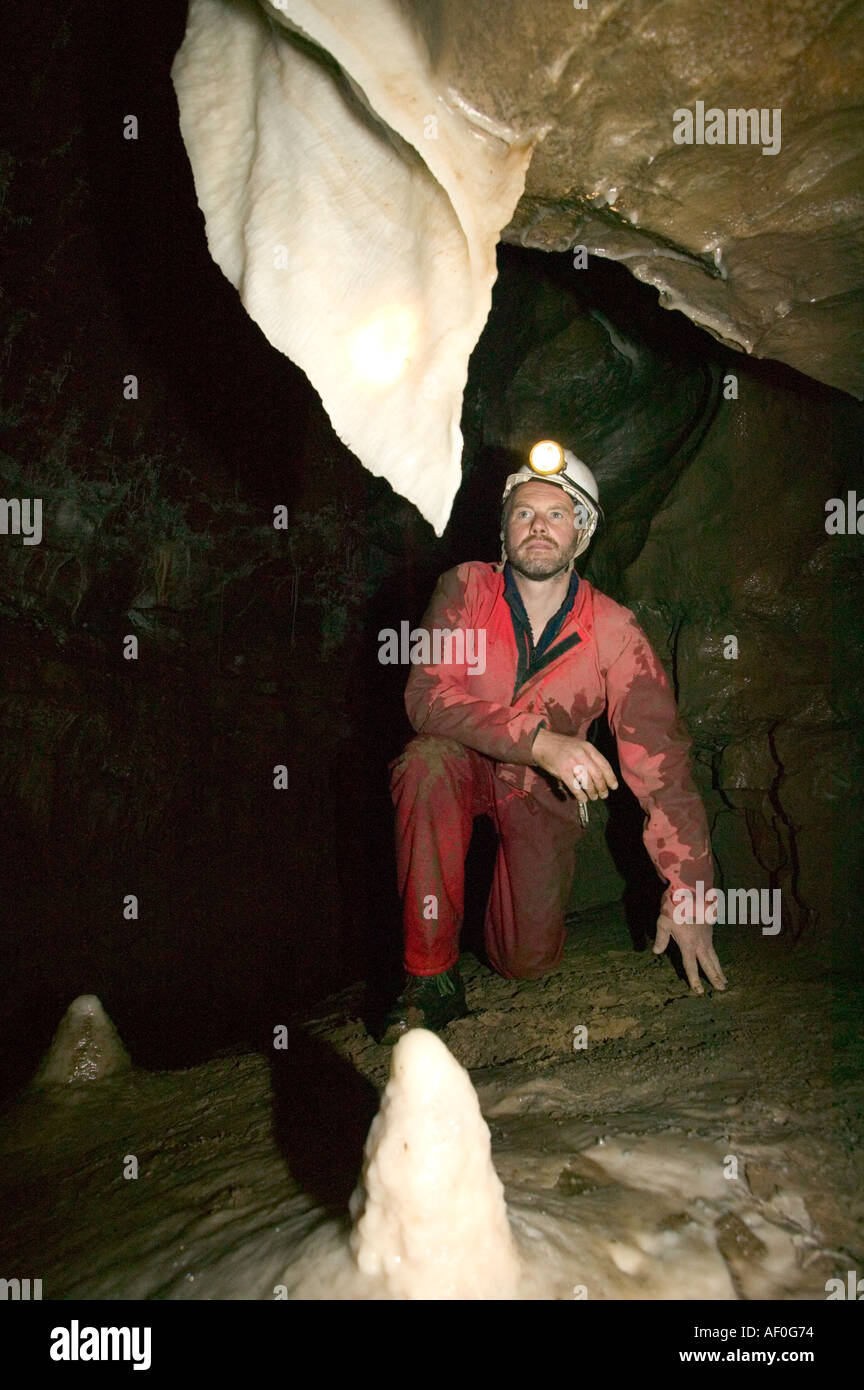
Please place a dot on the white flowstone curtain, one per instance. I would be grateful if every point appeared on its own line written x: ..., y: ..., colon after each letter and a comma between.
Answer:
x: 356, y: 208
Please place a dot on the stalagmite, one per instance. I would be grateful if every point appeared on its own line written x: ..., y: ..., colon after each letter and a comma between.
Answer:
x: 86, y: 1047
x: 429, y: 1214
x: 356, y: 205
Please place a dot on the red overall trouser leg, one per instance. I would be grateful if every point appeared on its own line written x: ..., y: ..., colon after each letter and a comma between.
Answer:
x: 438, y: 787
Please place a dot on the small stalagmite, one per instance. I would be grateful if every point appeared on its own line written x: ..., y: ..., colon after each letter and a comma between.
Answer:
x: 430, y: 1218
x: 86, y: 1047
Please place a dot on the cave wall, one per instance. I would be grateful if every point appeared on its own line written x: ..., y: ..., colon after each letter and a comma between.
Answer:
x: 155, y: 777
x: 715, y: 472
x: 739, y: 550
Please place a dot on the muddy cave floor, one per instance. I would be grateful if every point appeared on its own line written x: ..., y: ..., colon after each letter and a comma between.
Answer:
x: 698, y: 1147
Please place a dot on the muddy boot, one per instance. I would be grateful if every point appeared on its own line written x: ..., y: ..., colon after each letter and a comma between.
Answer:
x: 427, y: 1001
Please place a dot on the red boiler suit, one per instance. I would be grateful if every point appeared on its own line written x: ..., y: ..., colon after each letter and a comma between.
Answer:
x: 473, y: 756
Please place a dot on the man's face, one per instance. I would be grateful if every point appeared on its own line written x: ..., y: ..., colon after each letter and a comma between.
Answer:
x: 540, y: 537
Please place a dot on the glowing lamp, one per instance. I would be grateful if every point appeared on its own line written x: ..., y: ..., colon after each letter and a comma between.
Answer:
x: 546, y: 458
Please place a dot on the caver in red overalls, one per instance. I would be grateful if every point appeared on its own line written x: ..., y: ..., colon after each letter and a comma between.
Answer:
x: 473, y: 755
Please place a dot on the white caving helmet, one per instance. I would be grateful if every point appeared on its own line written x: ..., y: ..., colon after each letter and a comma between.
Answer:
x: 549, y: 463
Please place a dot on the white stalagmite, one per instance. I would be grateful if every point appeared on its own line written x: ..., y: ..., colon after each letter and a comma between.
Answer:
x: 356, y: 207
x: 86, y: 1047
x: 430, y: 1218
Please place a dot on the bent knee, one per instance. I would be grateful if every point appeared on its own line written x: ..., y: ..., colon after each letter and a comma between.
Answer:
x: 430, y: 757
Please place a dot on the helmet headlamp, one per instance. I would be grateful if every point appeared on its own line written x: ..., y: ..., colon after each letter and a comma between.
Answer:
x: 553, y: 464
x: 547, y: 458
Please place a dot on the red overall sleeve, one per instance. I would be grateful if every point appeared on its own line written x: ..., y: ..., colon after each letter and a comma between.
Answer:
x: 654, y: 753
x: 438, y: 699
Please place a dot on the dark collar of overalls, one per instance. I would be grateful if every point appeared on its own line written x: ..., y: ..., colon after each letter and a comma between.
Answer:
x: 531, y: 658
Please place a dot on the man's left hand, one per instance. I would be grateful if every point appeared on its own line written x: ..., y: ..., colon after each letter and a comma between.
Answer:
x: 696, y: 947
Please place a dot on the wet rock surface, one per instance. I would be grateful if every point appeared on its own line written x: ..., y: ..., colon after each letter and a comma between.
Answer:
x: 764, y: 251
x: 86, y: 1048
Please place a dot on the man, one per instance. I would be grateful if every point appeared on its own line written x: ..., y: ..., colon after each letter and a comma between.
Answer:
x: 509, y: 741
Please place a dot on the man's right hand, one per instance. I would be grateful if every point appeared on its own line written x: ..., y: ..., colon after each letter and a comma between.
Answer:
x: 583, y: 772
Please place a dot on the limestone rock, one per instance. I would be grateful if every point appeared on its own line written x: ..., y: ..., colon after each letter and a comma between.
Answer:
x: 430, y: 1217
x: 85, y: 1048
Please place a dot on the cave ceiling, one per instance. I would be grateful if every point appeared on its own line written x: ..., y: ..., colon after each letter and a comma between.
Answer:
x: 357, y: 166
x: 765, y: 251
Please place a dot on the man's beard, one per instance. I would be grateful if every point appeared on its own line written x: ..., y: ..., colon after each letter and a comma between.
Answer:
x: 541, y: 563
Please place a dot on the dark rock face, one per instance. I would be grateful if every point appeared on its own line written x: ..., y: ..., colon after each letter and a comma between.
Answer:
x: 208, y: 777
x: 715, y: 473
x: 740, y: 551
x: 762, y: 250
x: 593, y: 367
